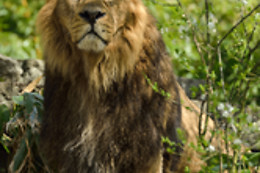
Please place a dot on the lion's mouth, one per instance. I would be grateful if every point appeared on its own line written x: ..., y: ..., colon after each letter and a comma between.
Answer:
x: 93, y: 33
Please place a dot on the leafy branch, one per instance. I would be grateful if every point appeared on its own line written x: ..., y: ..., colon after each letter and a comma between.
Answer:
x: 237, y: 24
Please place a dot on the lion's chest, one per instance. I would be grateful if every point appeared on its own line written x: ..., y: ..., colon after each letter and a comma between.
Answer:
x: 119, y: 132
x: 114, y: 135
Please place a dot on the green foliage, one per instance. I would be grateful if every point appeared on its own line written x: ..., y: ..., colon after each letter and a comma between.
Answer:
x: 4, y: 116
x: 156, y: 88
x: 17, y: 28
x: 180, y: 20
x: 172, y: 146
x: 218, y: 41
x: 23, y: 129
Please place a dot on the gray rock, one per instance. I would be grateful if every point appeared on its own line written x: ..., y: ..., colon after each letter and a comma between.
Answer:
x: 189, y: 84
x: 9, y: 68
x: 32, y: 69
x: 15, y: 75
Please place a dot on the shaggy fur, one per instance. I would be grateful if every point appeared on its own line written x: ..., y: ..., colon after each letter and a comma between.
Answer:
x: 101, y: 114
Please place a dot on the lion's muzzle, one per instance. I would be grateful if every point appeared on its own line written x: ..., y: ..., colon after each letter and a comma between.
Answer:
x: 93, y: 33
x: 93, y: 37
x: 92, y: 16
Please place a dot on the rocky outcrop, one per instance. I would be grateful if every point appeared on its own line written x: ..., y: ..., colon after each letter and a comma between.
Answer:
x: 191, y: 87
x: 15, y: 75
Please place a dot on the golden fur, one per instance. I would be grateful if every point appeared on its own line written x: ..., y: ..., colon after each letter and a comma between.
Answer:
x: 125, y: 39
x: 96, y: 91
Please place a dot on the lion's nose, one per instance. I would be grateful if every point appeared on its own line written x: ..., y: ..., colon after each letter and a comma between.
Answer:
x: 91, y: 16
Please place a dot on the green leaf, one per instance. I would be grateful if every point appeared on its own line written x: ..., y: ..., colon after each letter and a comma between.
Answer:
x: 253, y: 158
x: 20, y: 155
x: 4, y: 116
x: 186, y: 169
x: 19, y: 100
x: 37, y: 96
x: 6, y: 148
x: 29, y: 101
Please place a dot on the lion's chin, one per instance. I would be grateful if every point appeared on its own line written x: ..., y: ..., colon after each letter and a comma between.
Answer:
x: 92, y: 43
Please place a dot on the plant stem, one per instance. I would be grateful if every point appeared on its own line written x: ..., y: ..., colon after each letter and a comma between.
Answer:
x: 237, y: 24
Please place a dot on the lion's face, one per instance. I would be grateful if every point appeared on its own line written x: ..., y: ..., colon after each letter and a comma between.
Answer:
x: 100, y: 39
x: 92, y: 24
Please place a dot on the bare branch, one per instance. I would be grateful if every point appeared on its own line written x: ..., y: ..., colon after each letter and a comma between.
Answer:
x: 249, y: 39
x: 207, y: 20
x: 208, y: 80
x: 252, y: 50
x: 179, y: 3
x: 237, y: 24
x: 221, y: 70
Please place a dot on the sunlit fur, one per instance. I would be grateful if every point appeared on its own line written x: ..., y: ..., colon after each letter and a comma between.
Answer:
x: 101, y: 113
x: 61, y: 27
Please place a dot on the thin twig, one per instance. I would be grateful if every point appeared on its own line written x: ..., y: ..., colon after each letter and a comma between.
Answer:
x: 221, y: 71
x: 207, y: 20
x: 209, y: 92
x: 209, y: 69
x: 220, y: 157
x: 179, y: 3
x: 200, y: 117
x: 218, y: 49
x: 237, y: 24
x: 226, y: 132
x: 201, y: 134
x: 246, y: 54
x: 252, y: 50
x: 208, y: 80
x: 198, y: 48
x: 250, y: 38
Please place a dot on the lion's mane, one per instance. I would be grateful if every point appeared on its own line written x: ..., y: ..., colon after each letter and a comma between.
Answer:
x: 107, y: 110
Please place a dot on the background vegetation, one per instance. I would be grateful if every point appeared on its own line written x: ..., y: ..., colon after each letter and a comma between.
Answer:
x: 17, y: 28
x: 214, y: 40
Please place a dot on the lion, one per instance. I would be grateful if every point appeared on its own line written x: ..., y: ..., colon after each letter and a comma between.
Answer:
x: 110, y: 91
